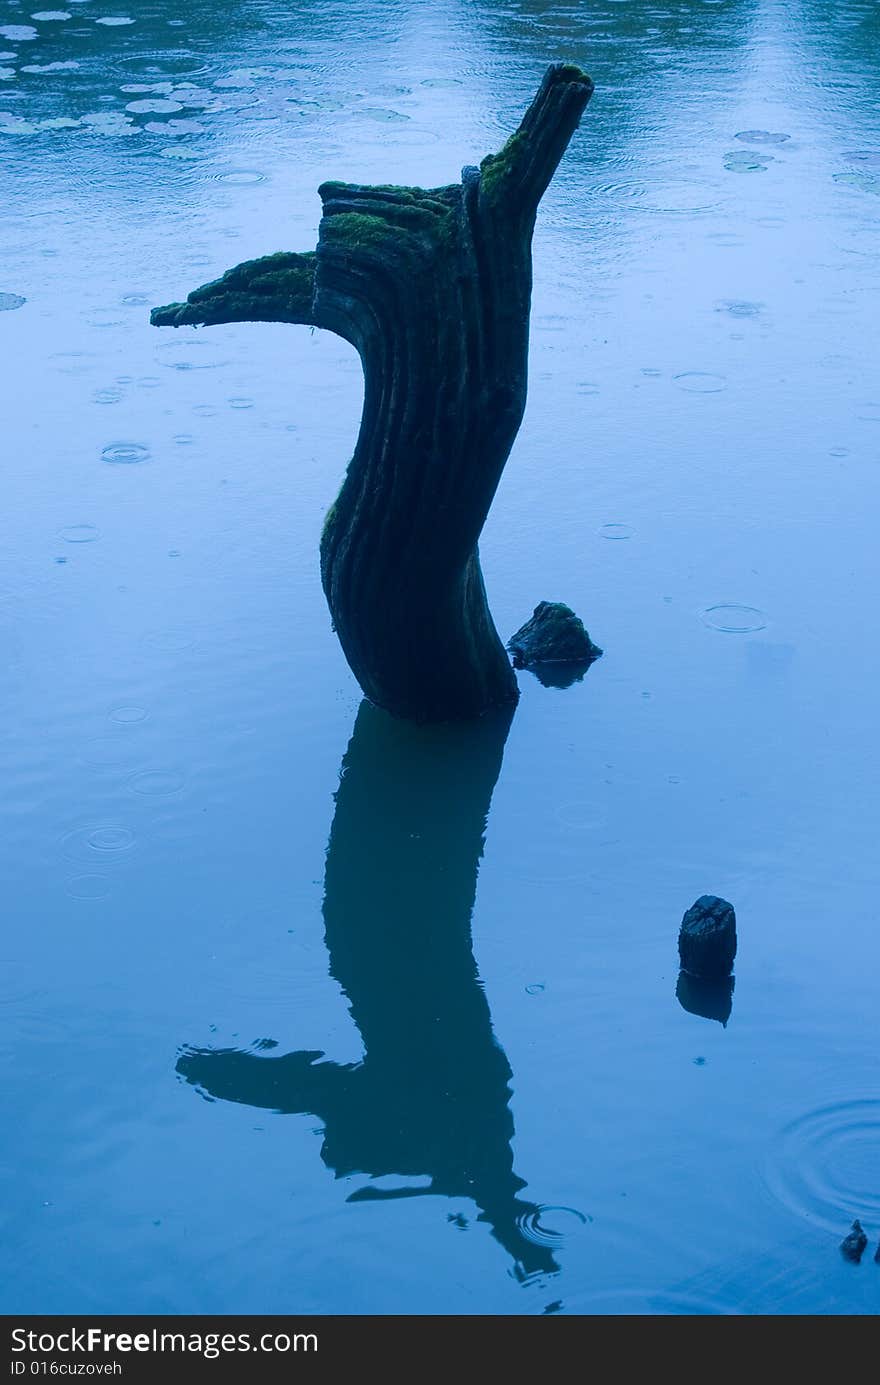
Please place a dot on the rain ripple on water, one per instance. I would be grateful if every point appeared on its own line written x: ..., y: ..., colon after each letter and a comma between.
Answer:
x: 731, y: 619
x: 700, y: 382
x: 79, y: 533
x: 125, y: 453
x: 551, y: 1226
x: 824, y: 1165
x: 105, y: 843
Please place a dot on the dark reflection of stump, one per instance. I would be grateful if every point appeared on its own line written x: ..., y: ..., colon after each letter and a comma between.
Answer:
x: 559, y: 675
x: 712, y: 999
x: 430, y: 1097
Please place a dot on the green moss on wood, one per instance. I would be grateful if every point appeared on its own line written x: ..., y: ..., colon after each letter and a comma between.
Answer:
x: 570, y: 72
x: 357, y: 230
x: 495, y: 166
x: 273, y: 288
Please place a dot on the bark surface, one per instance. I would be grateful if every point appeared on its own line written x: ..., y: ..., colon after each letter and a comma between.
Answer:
x: 433, y: 288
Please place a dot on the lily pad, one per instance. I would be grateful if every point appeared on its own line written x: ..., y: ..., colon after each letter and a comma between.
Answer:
x: 70, y: 66
x: 17, y: 126
x: 18, y: 33
x: 157, y: 104
x: 747, y: 161
x: 174, y: 127
x: 382, y: 113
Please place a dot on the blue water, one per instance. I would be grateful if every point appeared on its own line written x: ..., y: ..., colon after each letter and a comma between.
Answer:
x: 511, y: 1111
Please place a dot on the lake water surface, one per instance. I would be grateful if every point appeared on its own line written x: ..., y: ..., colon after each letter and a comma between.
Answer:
x: 434, y: 1060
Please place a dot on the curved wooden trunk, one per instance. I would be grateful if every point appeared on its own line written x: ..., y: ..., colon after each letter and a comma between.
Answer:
x: 433, y: 288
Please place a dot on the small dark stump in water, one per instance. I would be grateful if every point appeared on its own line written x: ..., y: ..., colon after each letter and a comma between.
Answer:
x: 712, y: 999
x: 852, y: 1247
x: 555, y: 644
x: 707, y: 938
x: 877, y: 1254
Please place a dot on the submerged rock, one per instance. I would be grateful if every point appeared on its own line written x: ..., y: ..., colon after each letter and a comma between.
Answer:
x: 554, y: 635
x: 852, y: 1247
x: 712, y: 999
x: 707, y: 938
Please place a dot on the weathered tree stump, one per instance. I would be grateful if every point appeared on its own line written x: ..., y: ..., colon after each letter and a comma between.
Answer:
x: 853, y: 1246
x: 707, y: 938
x: 433, y: 288
x: 552, y: 635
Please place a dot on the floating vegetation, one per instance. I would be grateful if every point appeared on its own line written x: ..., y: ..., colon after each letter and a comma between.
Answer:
x: 109, y: 123
x: 60, y: 122
x: 69, y: 66
x: 193, y: 98
x: 862, y: 179
x: 174, y: 127
x: 382, y: 113
x: 323, y: 105
x: 144, y: 88
x: 866, y: 158
x: 762, y: 137
x: 154, y: 104
x: 15, y: 125
x: 178, y: 151
x: 747, y: 161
